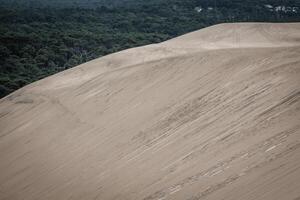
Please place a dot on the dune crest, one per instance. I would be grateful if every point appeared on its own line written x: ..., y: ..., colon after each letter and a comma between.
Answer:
x: 214, y: 114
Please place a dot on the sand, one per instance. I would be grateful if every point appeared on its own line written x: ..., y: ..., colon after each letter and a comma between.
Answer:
x: 214, y: 114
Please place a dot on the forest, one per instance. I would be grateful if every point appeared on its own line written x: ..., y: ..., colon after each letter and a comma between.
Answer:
x: 42, y: 37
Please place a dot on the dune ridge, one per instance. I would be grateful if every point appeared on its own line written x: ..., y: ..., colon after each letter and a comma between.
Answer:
x: 213, y: 114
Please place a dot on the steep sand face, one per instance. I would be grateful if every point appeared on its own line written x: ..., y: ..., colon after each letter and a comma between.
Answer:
x: 214, y: 114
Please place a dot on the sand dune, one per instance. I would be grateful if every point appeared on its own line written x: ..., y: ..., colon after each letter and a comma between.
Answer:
x: 214, y: 114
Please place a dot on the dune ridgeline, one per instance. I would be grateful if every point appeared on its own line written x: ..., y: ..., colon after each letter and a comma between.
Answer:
x: 214, y: 114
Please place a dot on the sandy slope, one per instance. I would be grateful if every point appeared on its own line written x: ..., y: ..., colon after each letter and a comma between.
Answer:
x: 214, y: 114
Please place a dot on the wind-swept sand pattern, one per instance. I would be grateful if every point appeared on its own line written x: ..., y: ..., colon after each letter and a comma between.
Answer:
x: 214, y: 114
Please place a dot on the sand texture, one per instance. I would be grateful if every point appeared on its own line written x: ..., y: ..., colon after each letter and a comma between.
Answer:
x: 211, y: 115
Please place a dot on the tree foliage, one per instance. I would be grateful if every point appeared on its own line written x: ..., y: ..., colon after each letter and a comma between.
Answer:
x: 41, y: 37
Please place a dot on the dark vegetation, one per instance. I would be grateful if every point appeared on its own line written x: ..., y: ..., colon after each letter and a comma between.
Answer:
x: 42, y: 37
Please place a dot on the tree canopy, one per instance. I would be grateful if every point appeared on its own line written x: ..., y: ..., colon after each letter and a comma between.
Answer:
x: 42, y: 37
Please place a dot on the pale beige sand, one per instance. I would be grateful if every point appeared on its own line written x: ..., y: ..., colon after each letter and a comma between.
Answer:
x: 214, y: 114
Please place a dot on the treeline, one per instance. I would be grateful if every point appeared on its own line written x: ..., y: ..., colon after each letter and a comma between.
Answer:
x: 37, y: 41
